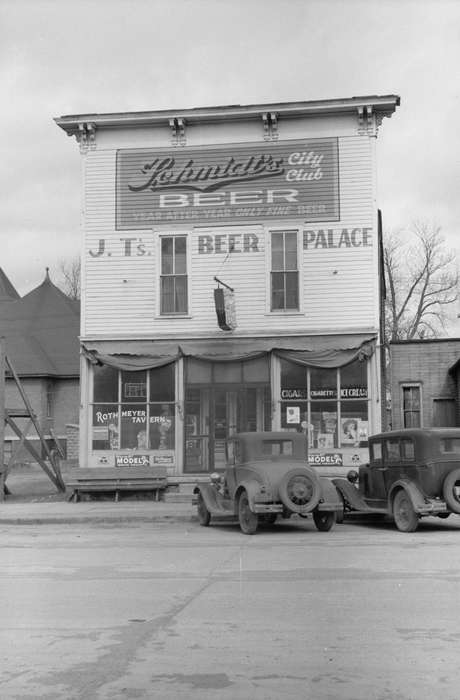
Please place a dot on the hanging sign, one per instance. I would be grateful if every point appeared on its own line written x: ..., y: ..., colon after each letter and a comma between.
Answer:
x: 224, y: 300
x: 228, y: 183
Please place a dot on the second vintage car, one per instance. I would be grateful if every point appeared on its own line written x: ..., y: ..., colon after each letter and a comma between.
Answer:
x: 266, y: 475
x: 412, y: 473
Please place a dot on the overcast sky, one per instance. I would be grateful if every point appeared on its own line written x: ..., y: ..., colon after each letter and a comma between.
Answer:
x: 60, y: 57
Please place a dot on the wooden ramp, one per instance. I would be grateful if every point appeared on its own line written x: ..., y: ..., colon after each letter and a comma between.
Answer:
x: 49, y: 457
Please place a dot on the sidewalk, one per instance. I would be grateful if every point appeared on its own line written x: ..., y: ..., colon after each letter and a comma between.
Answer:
x: 34, y: 500
x: 61, y: 512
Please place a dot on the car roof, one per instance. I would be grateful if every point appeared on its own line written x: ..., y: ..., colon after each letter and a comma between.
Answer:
x: 418, y: 432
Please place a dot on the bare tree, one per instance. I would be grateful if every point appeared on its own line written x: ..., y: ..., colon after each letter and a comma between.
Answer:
x: 421, y: 277
x: 69, y: 277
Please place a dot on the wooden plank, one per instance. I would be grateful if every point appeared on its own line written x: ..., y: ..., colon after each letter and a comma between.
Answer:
x: 2, y: 418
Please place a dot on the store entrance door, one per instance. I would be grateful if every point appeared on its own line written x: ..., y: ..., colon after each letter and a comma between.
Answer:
x: 212, y: 414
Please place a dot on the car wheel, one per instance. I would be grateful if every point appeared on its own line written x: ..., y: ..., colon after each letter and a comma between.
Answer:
x: 324, y: 519
x: 406, y: 518
x: 451, y: 490
x: 300, y: 490
x: 247, y: 519
x: 443, y: 516
x: 204, y: 516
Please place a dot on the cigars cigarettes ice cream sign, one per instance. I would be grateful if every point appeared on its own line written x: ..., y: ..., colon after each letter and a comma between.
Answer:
x: 240, y: 182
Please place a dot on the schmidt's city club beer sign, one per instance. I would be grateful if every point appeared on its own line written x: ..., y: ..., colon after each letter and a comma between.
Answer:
x: 228, y: 183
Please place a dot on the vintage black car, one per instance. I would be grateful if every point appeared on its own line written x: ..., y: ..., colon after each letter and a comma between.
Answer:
x: 411, y: 473
x: 267, y: 475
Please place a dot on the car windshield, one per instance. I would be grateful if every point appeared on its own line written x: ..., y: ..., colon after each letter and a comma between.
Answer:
x: 450, y: 445
x: 275, y: 448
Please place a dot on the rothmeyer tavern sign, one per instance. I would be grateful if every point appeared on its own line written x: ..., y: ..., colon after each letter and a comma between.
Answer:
x: 228, y: 183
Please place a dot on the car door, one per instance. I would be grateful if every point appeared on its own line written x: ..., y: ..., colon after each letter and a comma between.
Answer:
x: 376, y: 489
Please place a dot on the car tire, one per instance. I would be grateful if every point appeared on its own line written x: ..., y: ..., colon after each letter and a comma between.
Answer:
x: 204, y: 516
x: 448, y: 490
x: 300, y: 490
x: 248, y: 520
x: 444, y: 516
x: 405, y: 517
x: 324, y: 519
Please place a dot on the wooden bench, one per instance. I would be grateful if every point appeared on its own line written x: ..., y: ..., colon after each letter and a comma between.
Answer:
x: 116, y: 479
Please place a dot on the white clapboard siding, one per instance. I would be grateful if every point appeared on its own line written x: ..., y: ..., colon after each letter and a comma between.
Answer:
x: 120, y: 291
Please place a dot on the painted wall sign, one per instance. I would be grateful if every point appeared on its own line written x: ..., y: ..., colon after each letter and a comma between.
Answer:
x: 337, y: 238
x: 228, y: 183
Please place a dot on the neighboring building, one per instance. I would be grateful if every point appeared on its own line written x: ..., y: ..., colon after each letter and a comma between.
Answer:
x: 262, y: 219
x: 41, y: 337
x: 425, y: 383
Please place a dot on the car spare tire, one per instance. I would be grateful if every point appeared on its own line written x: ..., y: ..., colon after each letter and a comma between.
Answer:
x: 300, y: 490
x: 451, y: 490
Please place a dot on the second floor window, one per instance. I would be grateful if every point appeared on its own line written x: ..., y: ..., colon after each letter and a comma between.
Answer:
x: 173, y: 280
x: 284, y: 271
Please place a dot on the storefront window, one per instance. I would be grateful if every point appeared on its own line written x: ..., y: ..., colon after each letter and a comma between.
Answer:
x: 133, y: 410
x: 328, y: 405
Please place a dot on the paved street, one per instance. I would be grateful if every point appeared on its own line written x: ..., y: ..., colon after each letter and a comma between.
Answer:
x: 170, y: 610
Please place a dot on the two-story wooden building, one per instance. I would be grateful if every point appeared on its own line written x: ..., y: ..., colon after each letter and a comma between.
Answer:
x: 230, y: 280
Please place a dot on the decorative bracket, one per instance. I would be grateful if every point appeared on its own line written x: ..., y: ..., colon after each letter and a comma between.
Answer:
x: 177, y: 125
x: 367, y: 122
x: 86, y: 136
x: 270, y: 122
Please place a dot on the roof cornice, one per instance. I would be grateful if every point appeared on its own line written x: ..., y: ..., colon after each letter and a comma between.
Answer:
x: 383, y: 106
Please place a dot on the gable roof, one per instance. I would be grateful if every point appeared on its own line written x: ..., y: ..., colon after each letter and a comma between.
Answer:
x: 41, y: 331
x: 7, y: 291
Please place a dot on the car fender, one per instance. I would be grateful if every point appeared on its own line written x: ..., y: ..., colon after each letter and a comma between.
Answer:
x: 214, y: 501
x: 329, y: 499
x: 251, y: 487
x: 415, y: 494
x: 351, y: 496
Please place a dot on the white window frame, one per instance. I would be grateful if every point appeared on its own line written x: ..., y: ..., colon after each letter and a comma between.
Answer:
x: 174, y: 234
x: 269, y: 230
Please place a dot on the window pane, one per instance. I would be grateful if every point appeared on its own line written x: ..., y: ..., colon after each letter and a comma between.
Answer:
x: 293, y: 377
x: 162, y: 383
x: 291, y: 250
x: 198, y: 372
x: 167, y: 295
x: 161, y: 426
x: 228, y: 372
x: 181, y: 255
x: 105, y: 427
x: 167, y: 256
x: 376, y: 452
x: 133, y: 387
x: 324, y: 424
x: 105, y: 383
x: 353, y: 423
x: 277, y: 290
x: 323, y: 383
x: 277, y: 251
x: 256, y: 370
x: 392, y: 451
x: 292, y: 290
x: 133, y: 425
x: 407, y: 450
x: 353, y: 380
x: 180, y: 297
